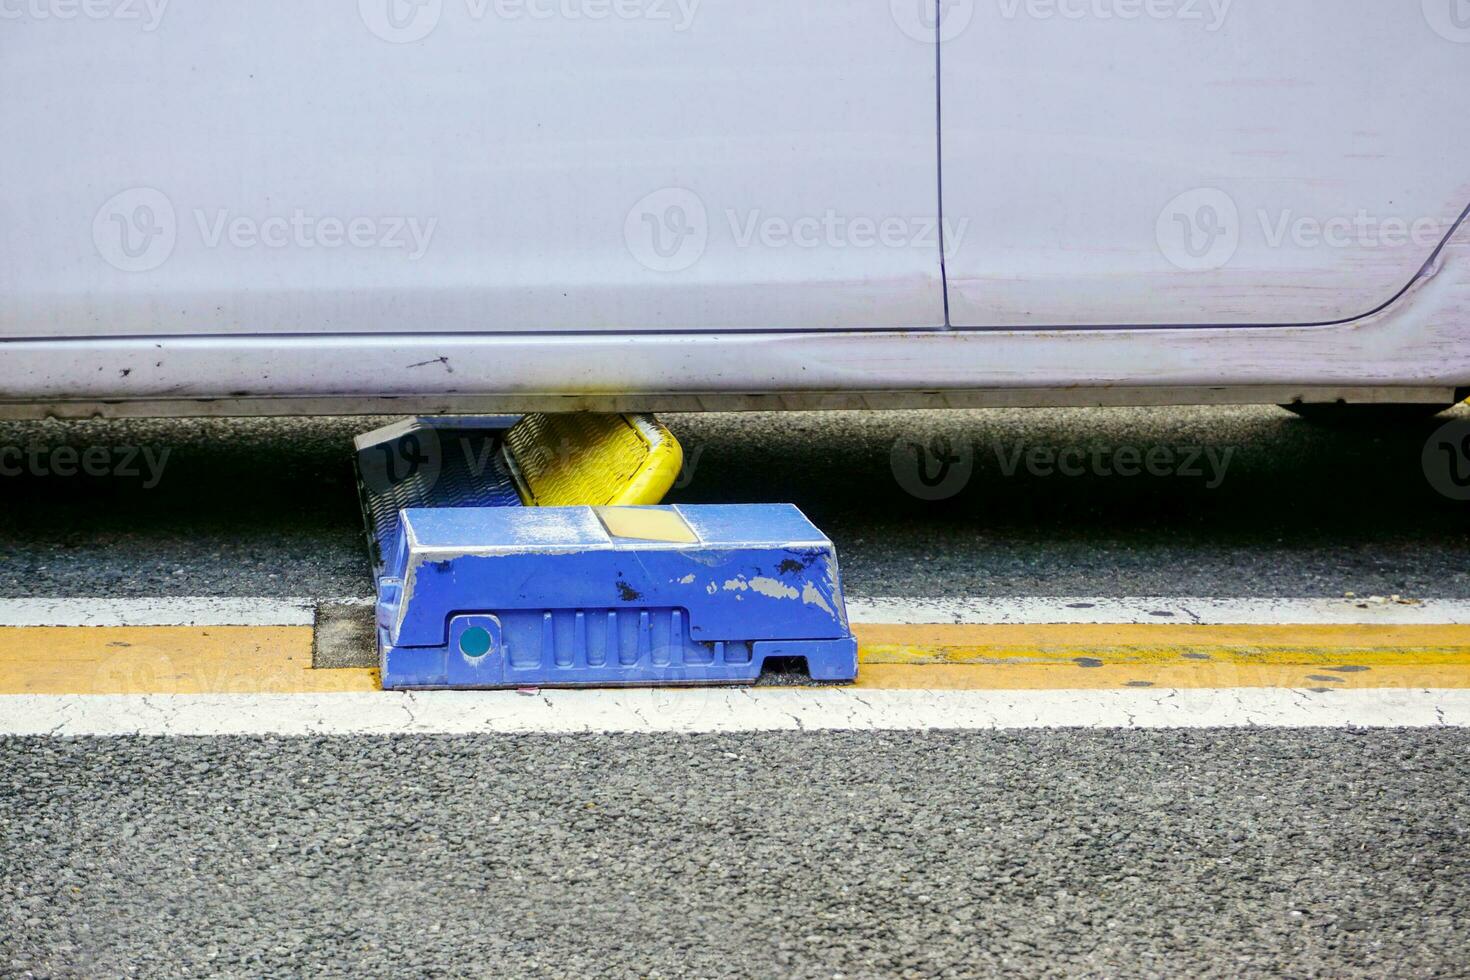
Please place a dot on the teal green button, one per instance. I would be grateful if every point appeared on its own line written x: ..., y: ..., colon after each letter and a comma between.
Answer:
x: 475, y: 641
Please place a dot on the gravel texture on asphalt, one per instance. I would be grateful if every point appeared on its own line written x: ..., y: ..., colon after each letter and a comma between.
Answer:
x: 1105, y: 853
x: 1254, y: 502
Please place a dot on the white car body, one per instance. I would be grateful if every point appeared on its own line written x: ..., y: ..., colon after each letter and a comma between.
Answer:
x: 504, y: 205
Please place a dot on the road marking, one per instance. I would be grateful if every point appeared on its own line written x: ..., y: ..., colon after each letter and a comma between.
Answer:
x: 277, y: 659
x: 958, y: 643
x: 722, y: 710
x: 58, y: 660
x: 1092, y: 656
x: 1218, y: 612
x: 299, y: 611
x: 1181, y: 676
x: 181, y: 611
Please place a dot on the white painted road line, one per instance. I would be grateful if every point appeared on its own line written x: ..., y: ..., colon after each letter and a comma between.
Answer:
x: 1204, y: 612
x: 299, y: 611
x: 164, y: 611
x: 722, y: 710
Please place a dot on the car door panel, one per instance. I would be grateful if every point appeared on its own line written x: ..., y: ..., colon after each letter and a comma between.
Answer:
x: 465, y: 166
x: 1185, y: 162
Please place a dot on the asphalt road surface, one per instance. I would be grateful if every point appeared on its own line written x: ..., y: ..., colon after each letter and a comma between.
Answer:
x: 1254, y: 502
x: 1036, y: 853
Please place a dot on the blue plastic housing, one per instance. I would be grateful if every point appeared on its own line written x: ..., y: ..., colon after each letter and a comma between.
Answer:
x: 487, y: 597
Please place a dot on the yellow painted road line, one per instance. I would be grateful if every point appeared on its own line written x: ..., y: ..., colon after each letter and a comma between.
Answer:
x: 950, y: 643
x: 1091, y: 657
x: 167, y: 660
x: 265, y: 659
x: 1109, y: 676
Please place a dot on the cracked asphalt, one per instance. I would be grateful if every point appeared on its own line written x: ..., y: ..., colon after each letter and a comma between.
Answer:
x: 1086, y: 853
